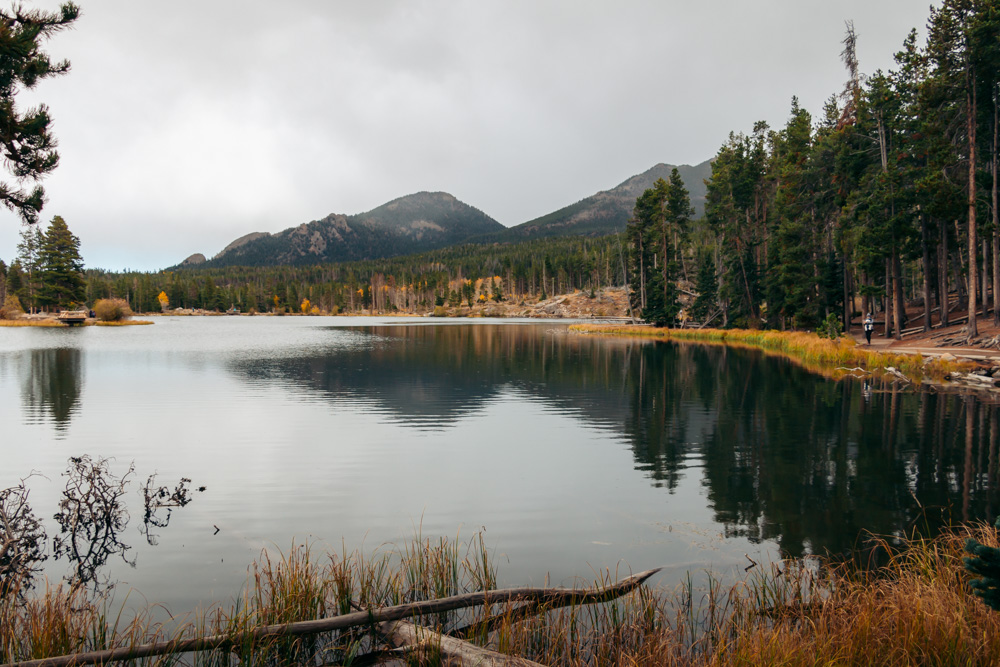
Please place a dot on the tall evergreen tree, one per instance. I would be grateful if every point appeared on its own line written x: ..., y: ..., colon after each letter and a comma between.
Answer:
x: 655, y: 234
x: 61, y: 276
x: 3, y: 282
x: 28, y: 255
x: 26, y: 143
x: 792, y: 279
x: 737, y: 206
x: 705, y: 304
x: 957, y: 45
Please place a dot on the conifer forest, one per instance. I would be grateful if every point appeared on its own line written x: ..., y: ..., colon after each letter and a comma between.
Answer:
x: 886, y: 197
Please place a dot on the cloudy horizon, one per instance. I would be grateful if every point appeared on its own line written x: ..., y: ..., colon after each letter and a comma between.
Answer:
x: 183, y: 127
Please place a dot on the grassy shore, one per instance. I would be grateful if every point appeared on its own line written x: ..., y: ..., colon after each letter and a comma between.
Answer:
x: 833, y: 358
x: 32, y: 323
x: 52, y: 322
x: 916, y: 609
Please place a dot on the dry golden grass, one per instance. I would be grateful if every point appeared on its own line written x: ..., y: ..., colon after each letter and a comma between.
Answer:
x: 32, y: 323
x: 830, y: 357
x: 914, y: 610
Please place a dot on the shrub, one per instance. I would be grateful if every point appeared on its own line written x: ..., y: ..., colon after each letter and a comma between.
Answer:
x: 830, y: 327
x: 11, y: 308
x: 112, y: 310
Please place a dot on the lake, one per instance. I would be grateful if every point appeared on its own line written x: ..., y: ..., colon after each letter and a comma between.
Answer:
x: 575, y: 454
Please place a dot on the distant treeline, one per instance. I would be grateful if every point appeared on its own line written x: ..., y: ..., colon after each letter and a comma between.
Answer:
x: 530, y: 269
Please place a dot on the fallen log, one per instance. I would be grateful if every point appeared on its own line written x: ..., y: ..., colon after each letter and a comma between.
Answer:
x: 451, y: 651
x: 368, y: 617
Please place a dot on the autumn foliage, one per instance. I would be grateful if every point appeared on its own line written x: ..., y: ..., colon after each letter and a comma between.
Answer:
x: 112, y: 310
x: 11, y: 309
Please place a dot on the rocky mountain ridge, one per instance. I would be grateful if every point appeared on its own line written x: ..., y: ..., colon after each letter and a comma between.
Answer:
x: 429, y: 220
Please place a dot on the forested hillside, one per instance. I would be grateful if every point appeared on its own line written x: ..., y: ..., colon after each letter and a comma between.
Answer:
x: 413, y: 283
x: 889, y: 196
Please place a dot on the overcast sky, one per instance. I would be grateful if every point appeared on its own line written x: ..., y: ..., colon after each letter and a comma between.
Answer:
x: 184, y: 125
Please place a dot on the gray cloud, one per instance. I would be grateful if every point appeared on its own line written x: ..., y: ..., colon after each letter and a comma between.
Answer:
x: 185, y: 125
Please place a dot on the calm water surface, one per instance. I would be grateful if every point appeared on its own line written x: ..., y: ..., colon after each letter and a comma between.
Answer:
x: 574, y: 453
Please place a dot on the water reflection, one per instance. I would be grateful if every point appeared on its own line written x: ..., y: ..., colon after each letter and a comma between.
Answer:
x: 52, y: 386
x: 813, y: 465
x: 783, y: 455
x: 430, y: 377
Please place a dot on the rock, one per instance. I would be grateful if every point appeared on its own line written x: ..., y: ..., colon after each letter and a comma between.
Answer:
x: 947, y: 356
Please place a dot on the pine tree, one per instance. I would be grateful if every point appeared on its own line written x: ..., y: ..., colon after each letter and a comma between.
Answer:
x: 707, y: 288
x: 28, y: 147
x: 61, y: 282
x: 792, y: 279
x: 28, y: 250
x: 736, y: 209
x: 653, y: 263
x: 15, y: 280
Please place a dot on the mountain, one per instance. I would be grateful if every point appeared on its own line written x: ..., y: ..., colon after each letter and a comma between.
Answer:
x: 609, y: 210
x: 414, y: 223
x: 430, y: 220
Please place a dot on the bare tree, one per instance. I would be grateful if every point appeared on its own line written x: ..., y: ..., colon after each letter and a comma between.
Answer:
x: 22, y: 541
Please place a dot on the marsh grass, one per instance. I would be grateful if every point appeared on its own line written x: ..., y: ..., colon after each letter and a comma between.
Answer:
x: 52, y: 322
x: 832, y: 358
x: 915, y: 608
x: 32, y: 323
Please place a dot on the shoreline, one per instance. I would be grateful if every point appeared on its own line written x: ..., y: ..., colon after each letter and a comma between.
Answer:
x: 966, y: 368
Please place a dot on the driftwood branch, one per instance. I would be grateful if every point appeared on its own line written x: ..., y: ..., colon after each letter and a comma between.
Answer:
x: 891, y: 370
x: 398, y: 612
x: 403, y: 634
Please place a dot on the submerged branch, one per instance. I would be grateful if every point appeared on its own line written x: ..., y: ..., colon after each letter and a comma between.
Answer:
x: 452, y: 651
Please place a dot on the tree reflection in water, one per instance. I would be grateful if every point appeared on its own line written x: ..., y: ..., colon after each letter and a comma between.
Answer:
x: 52, y: 386
x: 812, y: 464
x: 783, y: 454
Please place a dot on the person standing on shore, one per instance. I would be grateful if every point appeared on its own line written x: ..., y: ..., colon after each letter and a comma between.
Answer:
x: 869, y: 327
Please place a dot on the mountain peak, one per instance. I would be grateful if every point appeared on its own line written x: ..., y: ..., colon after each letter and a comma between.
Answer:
x: 412, y: 223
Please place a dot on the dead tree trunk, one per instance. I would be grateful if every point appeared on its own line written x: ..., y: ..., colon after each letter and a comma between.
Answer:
x: 451, y: 651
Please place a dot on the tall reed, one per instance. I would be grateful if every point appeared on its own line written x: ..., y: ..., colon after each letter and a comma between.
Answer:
x: 915, y: 608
